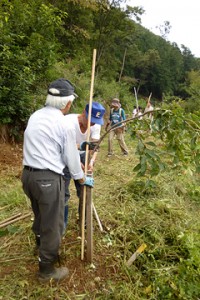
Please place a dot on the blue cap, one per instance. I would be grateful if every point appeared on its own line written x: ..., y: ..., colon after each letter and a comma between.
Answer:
x: 97, y: 113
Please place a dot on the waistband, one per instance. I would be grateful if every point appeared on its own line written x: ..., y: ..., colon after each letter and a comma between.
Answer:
x: 34, y: 169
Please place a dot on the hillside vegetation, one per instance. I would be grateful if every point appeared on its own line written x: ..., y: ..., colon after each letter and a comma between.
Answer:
x: 41, y: 41
x: 165, y: 217
x: 151, y: 198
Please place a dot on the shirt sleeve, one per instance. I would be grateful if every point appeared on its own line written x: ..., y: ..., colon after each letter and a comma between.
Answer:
x: 123, y: 115
x: 71, y: 154
x: 95, y: 131
x: 110, y: 117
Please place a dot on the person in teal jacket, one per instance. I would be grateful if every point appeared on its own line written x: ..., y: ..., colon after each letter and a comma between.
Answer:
x: 117, y: 115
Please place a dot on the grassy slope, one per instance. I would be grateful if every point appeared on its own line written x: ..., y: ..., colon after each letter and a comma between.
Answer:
x: 166, y: 218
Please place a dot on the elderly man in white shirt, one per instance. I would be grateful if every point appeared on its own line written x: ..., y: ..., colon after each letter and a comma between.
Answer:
x: 50, y: 145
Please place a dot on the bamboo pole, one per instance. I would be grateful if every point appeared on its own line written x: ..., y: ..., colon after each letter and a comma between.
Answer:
x: 10, y: 218
x: 14, y: 220
x: 148, y: 101
x: 123, y: 62
x: 87, y: 154
x: 136, y: 98
x: 97, y: 218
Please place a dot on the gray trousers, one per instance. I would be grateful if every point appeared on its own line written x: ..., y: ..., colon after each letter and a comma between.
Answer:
x: 119, y: 132
x: 46, y: 191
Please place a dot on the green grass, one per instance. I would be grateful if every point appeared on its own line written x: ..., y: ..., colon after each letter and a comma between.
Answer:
x: 164, y: 217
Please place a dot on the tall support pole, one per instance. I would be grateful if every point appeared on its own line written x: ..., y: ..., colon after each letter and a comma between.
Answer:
x: 87, y: 155
x: 136, y: 98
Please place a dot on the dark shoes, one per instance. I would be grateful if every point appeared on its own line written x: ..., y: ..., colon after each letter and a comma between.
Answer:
x: 47, y: 271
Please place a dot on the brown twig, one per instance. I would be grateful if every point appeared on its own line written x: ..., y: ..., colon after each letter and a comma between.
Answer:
x: 123, y: 122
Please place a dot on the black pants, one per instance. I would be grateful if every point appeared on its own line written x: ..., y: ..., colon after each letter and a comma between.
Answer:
x: 46, y: 192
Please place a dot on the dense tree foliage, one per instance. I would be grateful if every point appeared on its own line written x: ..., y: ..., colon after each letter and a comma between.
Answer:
x: 40, y: 40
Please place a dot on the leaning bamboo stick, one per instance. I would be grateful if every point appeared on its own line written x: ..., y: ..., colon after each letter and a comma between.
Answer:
x: 10, y: 218
x: 14, y: 220
x: 148, y: 101
x: 97, y: 218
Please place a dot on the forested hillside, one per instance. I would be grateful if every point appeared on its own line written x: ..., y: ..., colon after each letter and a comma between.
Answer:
x: 43, y: 40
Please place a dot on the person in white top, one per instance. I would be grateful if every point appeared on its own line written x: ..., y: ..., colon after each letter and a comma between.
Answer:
x: 80, y: 124
x: 50, y: 145
x: 134, y: 112
x: 149, y: 107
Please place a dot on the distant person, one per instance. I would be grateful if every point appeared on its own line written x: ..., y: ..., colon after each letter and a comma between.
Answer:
x: 80, y: 124
x: 50, y: 145
x: 149, y: 107
x: 134, y: 112
x: 139, y: 114
x: 117, y: 115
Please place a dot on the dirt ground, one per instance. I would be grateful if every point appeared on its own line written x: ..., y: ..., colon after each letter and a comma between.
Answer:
x: 82, y: 276
x: 10, y: 158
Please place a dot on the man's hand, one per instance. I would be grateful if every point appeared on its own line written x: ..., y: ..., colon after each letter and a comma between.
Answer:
x: 91, y: 145
x: 89, y: 181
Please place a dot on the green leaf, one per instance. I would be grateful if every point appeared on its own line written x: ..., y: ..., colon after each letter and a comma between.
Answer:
x: 143, y: 168
x: 151, y: 153
x: 151, y: 144
x: 137, y: 168
x: 140, y: 147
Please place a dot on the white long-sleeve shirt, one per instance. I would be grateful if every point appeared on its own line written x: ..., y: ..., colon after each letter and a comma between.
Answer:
x: 50, y: 143
x: 95, y: 130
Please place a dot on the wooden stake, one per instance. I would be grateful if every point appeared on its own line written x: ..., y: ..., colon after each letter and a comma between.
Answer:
x: 87, y: 154
x: 89, y: 224
x: 136, y: 254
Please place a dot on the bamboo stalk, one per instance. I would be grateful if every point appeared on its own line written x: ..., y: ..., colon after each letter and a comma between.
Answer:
x: 136, y: 99
x: 14, y: 220
x: 97, y: 218
x: 10, y: 218
x: 87, y: 155
x: 149, y: 98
